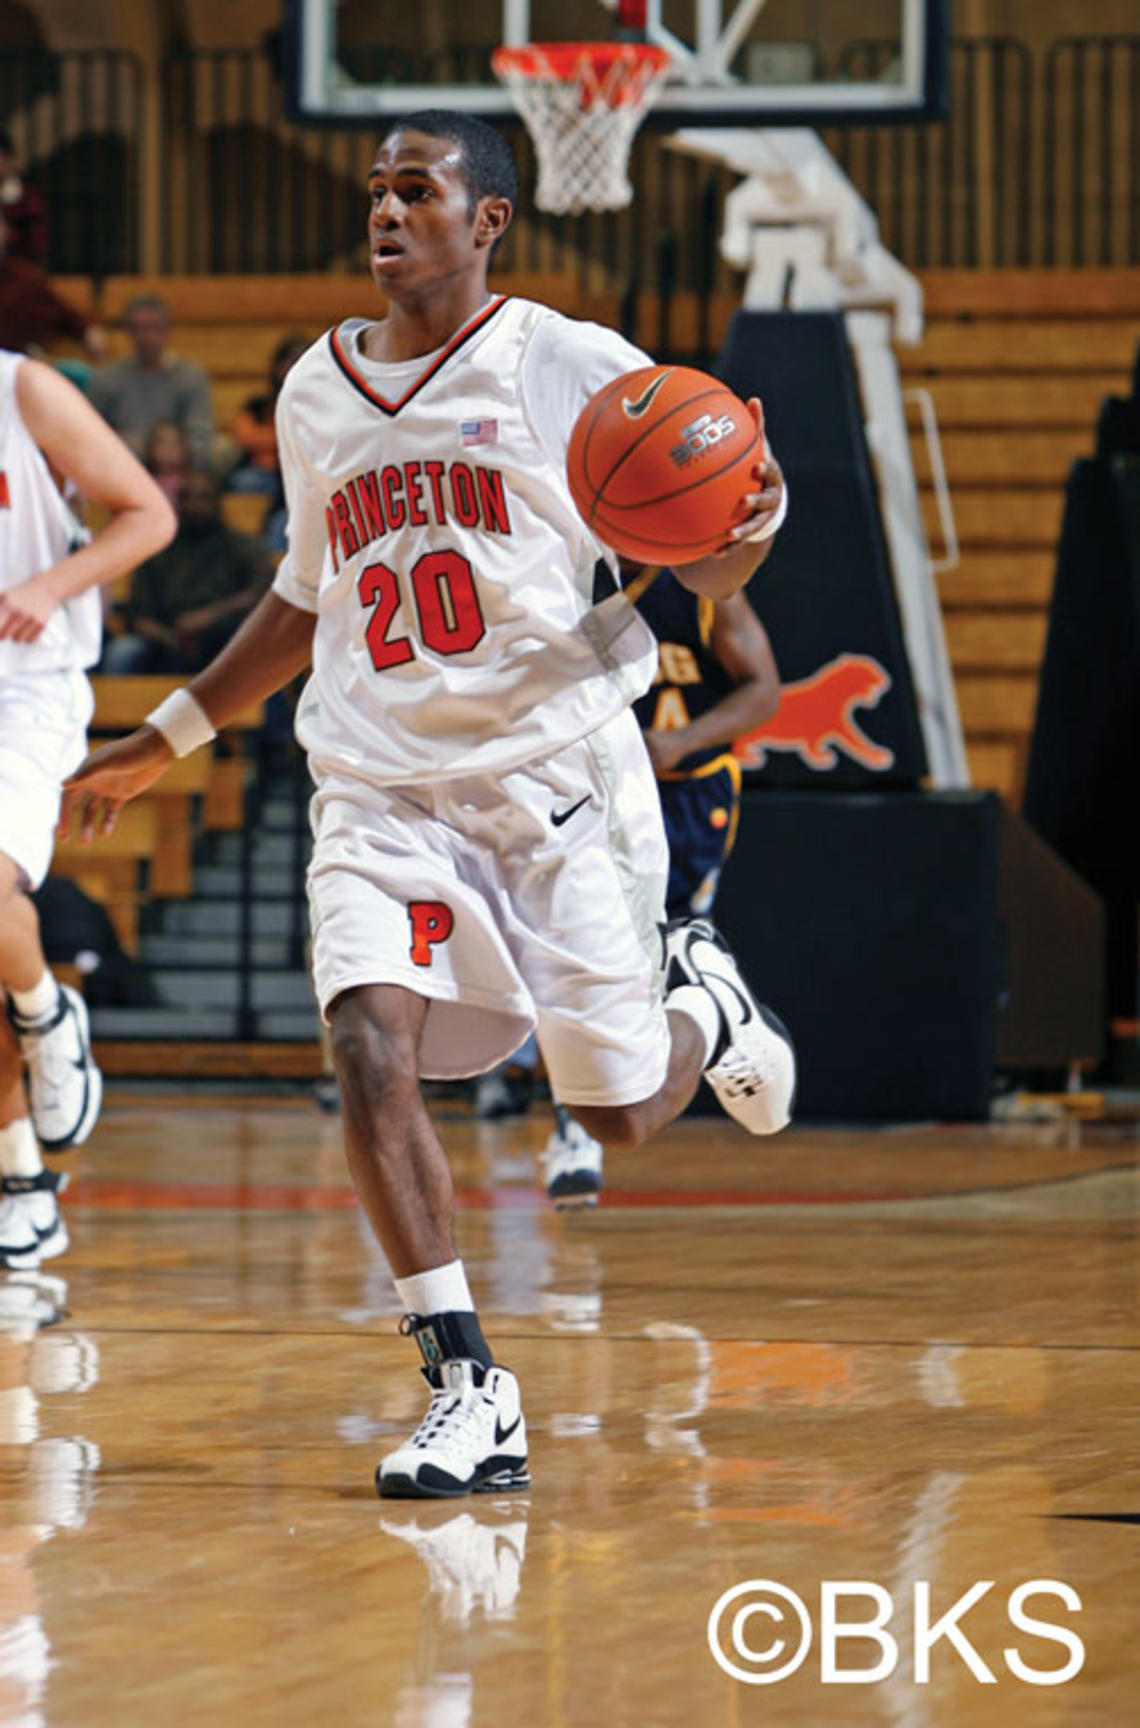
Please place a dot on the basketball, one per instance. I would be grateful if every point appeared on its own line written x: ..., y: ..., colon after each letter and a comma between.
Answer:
x: 660, y: 463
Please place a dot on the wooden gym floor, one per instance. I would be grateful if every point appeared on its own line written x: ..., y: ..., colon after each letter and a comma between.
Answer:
x: 896, y: 1356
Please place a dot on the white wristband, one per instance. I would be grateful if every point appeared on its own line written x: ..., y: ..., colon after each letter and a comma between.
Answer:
x: 182, y: 721
x: 772, y: 527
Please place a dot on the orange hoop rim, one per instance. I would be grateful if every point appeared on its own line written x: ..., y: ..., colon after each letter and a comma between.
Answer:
x: 564, y: 61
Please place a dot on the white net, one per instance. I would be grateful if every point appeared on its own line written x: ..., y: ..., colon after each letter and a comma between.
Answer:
x: 582, y: 103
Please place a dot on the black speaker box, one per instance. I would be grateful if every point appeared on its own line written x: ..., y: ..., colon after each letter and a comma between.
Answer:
x: 913, y: 943
x: 1084, y: 758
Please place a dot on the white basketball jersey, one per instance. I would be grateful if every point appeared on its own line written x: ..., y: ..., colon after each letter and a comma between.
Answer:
x: 467, y: 620
x: 36, y: 530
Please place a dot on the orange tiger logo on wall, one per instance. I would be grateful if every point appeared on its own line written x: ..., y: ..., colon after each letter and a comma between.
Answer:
x: 816, y: 717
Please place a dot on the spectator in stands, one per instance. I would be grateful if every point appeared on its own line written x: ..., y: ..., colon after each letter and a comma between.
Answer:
x: 254, y: 431
x: 186, y: 602
x: 256, y: 434
x: 23, y: 208
x: 153, y: 385
x: 31, y: 312
x: 166, y: 455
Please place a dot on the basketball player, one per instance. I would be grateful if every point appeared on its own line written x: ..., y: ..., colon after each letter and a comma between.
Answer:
x: 488, y: 850
x: 50, y: 622
x: 716, y: 680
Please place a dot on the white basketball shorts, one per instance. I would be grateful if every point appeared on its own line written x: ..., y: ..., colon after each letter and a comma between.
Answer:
x: 43, y: 738
x: 526, y: 901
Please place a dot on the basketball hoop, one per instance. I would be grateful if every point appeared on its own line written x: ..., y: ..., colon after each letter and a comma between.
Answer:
x: 582, y: 103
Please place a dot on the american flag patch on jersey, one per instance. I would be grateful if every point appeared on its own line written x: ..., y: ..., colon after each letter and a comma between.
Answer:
x: 478, y: 432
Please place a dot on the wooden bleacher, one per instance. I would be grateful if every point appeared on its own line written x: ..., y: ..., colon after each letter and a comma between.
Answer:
x: 1017, y: 361
x: 112, y: 869
x: 149, y: 854
x: 231, y: 324
x: 80, y: 292
x: 245, y: 511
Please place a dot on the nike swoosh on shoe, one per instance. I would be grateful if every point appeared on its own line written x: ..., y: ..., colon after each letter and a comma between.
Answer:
x: 710, y: 978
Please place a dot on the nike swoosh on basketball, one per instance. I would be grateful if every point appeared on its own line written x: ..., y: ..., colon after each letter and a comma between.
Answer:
x: 502, y: 1433
x: 560, y: 816
x: 645, y: 401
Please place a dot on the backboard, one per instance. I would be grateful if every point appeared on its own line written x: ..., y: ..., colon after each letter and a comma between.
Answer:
x: 735, y: 62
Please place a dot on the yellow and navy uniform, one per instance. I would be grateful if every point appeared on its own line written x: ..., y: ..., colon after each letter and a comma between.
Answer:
x: 700, y: 798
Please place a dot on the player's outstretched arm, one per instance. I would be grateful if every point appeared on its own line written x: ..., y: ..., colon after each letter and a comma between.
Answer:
x: 273, y: 645
x: 80, y: 445
x: 725, y: 572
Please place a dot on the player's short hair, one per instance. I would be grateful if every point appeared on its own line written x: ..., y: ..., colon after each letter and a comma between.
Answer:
x: 147, y: 303
x: 488, y: 166
x: 7, y: 148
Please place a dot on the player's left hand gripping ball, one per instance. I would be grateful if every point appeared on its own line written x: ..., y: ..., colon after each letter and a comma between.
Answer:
x: 766, y: 503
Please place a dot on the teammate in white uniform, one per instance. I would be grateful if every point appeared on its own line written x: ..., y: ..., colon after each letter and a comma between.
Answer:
x: 489, y: 854
x: 50, y: 621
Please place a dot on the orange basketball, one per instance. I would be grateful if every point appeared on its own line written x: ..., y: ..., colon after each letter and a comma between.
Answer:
x: 660, y: 462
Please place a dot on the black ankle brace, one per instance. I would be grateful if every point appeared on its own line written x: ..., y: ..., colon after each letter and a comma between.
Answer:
x: 443, y: 1337
x: 40, y: 1023
x: 46, y: 1181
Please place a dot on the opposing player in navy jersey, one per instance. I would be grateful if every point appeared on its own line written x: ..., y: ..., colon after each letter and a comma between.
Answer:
x: 488, y: 850
x: 50, y: 626
x: 716, y: 680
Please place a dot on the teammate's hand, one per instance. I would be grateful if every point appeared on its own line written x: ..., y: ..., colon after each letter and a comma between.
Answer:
x: 109, y: 778
x: 25, y: 609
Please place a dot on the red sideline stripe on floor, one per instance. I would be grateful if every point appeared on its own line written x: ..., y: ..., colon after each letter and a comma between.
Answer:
x: 263, y: 1197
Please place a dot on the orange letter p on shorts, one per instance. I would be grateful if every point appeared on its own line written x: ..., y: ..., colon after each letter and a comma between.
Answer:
x: 432, y: 922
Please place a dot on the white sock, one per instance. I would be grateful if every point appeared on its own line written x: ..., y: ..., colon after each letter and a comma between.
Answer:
x: 39, y: 1001
x: 19, y: 1149
x: 695, y: 1001
x: 440, y: 1291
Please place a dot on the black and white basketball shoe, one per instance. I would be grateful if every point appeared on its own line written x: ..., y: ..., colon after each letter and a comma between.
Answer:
x: 472, y: 1440
x: 32, y: 1229
x: 753, y: 1066
x: 572, y: 1164
x: 65, y: 1088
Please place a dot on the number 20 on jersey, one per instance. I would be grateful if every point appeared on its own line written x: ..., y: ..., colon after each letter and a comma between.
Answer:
x: 445, y: 606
